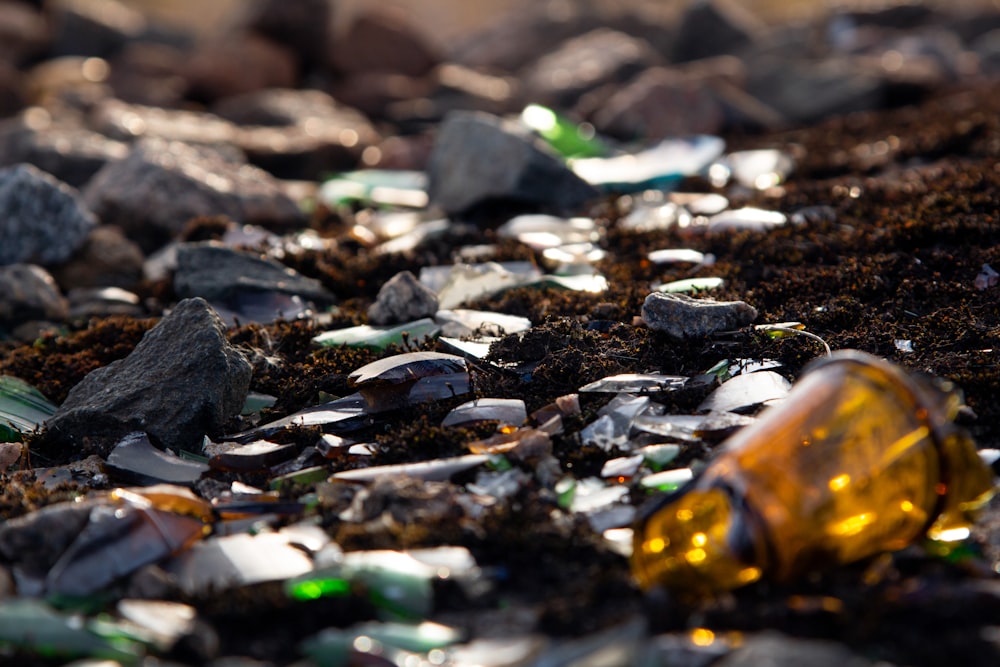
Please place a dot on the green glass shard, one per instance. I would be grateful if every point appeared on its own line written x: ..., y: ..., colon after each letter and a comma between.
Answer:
x: 379, y: 338
x: 22, y: 408
x: 690, y: 285
x: 34, y: 626
x: 564, y: 136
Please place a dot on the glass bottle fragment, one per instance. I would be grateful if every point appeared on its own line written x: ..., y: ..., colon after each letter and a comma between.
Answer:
x: 859, y: 459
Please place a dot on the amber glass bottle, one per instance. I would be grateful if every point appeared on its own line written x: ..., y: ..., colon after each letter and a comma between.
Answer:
x: 860, y: 458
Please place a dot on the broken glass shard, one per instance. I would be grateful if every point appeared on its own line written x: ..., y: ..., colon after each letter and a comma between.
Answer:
x: 135, y: 460
x: 603, y: 433
x: 594, y: 283
x: 547, y: 231
x: 32, y: 625
x: 256, y: 401
x: 759, y: 169
x: 679, y: 427
x: 746, y: 219
x: 437, y: 470
x: 657, y: 456
x: 564, y: 136
x: 163, y: 621
x: 677, y: 256
x: 659, y: 167
x: 396, y: 582
x: 573, y: 255
x: 467, y: 282
x: 376, y: 186
x: 255, y: 456
x: 700, y: 203
x: 416, y: 236
x: 468, y: 348
x: 635, y: 383
x: 461, y: 323
x: 413, y: 637
x: 690, y: 285
x: 119, y: 539
x: 395, y: 381
x: 345, y: 413
x: 509, y: 411
x: 668, y: 480
x: 747, y: 391
x: 22, y: 408
x: 622, y: 467
x: 379, y: 338
x: 624, y: 408
x: 645, y: 217
x: 304, y: 477
x: 222, y: 563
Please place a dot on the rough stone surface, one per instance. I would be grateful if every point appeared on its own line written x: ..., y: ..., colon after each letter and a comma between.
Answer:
x: 107, y: 259
x: 302, y: 26
x: 381, y: 40
x: 71, y: 153
x: 42, y: 220
x: 161, y: 185
x: 402, y: 299
x: 681, y: 316
x: 714, y: 27
x: 23, y: 32
x: 661, y: 103
x: 28, y: 292
x: 804, y: 92
x: 581, y: 64
x: 127, y: 122
x: 149, y: 73
x: 238, y: 63
x: 218, y: 273
x: 182, y: 381
x: 298, y: 134
x: 96, y: 28
x: 477, y: 158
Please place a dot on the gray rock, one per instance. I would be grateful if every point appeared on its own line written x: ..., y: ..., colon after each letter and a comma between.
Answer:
x: 681, y: 316
x: 586, y: 62
x: 303, y: 26
x: 805, y: 92
x: 477, y: 157
x: 218, y: 273
x: 402, y: 299
x: 182, y: 381
x: 107, y: 259
x: 238, y: 62
x: 127, y: 122
x: 153, y: 192
x: 28, y: 292
x: 71, y: 153
x: 775, y: 650
x: 382, y: 40
x: 713, y: 28
x: 23, y: 32
x: 92, y: 27
x: 42, y: 220
x: 661, y: 103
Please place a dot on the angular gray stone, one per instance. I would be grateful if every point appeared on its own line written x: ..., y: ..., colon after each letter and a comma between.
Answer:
x: 69, y: 152
x: 182, y: 381
x: 218, y: 273
x: 402, y: 299
x: 477, y: 157
x: 153, y: 192
x: 714, y: 27
x: 681, y: 316
x: 28, y: 292
x: 92, y: 27
x: 42, y: 220
x: 586, y: 62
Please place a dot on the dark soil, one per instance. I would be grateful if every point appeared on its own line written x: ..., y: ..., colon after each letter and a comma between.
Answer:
x: 916, y: 192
